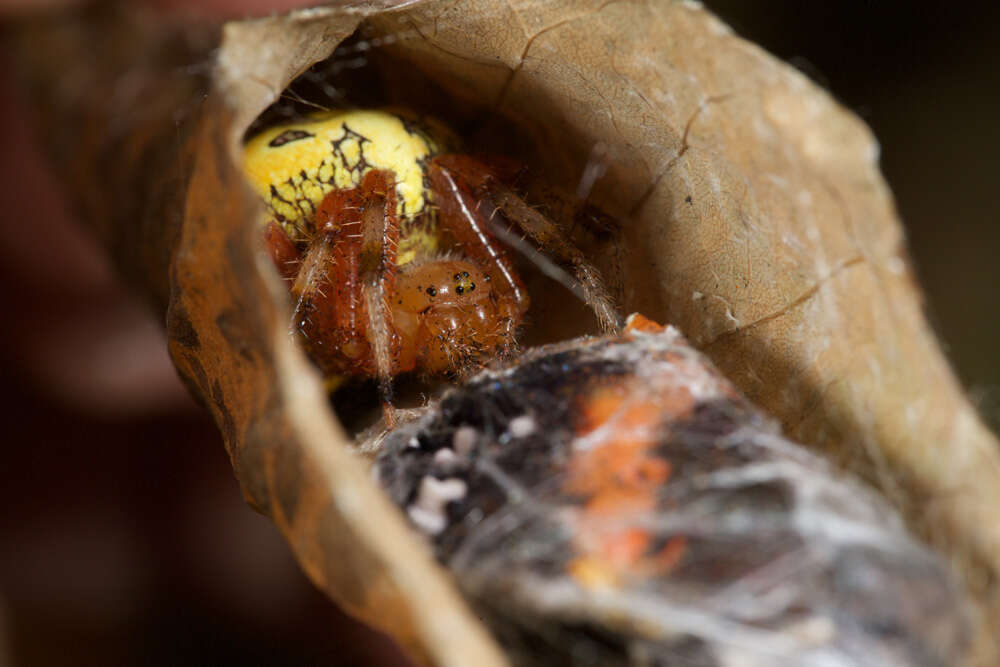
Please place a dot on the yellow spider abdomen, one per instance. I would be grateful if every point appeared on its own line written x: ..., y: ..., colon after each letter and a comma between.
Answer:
x: 295, y: 165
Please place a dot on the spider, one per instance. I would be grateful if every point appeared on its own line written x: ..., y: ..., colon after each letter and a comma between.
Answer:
x: 386, y: 241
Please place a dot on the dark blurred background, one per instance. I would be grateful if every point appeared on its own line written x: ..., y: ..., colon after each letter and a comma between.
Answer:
x: 124, y: 536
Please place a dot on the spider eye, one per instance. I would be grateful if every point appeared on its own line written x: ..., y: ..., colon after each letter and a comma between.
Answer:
x: 431, y: 291
x: 463, y: 283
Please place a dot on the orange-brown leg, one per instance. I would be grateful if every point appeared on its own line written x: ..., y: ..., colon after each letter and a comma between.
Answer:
x: 377, y: 264
x: 485, y: 189
x: 327, y: 308
x: 345, y: 280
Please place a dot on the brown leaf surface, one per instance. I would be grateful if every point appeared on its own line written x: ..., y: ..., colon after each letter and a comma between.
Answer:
x: 755, y: 220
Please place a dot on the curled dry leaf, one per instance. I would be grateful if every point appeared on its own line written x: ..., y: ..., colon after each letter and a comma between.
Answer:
x: 754, y: 217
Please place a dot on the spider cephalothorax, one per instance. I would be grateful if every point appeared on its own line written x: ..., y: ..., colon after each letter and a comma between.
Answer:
x: 386, y: 242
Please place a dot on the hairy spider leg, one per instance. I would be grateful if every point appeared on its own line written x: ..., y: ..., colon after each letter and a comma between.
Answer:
x: 344, y: 280
x: 471, y: 175
x: 459, y: 214
x: 379, y: 247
